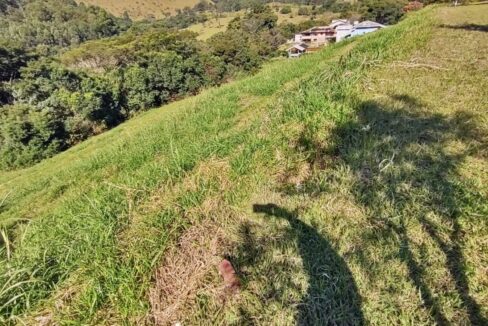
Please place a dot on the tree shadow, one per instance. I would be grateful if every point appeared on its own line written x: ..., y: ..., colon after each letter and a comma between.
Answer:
x: 408, y: 159
x: 400, y: 156
x: 332, y: 296
x: 468, y: 27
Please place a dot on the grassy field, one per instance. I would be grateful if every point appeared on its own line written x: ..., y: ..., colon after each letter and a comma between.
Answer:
x: 348, y: 188
x: 141, y: 9
x: 213, y: 25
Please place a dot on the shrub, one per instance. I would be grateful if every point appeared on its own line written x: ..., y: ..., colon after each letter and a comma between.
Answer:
x: 303, y: 11
x: 285, y: 10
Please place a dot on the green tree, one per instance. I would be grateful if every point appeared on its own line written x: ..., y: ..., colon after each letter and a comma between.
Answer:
x: 233, y: 47
x: 12, y: 58
x: 56, y: 23
x: 28, y: 135
x: 383, y: 11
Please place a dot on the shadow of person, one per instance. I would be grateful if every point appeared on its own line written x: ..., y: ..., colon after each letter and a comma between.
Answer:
x: 332, y: 297
x: 406, y: 162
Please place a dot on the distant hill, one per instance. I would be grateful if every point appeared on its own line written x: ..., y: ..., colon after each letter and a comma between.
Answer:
x: 141, y: 9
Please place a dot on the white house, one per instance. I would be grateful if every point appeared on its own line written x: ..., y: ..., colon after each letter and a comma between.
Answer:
x: 366, y: 27
x: 343, y: 31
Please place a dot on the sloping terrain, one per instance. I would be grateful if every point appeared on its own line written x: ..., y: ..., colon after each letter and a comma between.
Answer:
x: 218, y: 23
x: 141, y: 9
x: 349, y: 187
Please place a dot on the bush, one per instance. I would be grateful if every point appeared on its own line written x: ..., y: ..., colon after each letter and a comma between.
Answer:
x: 288, y: 30
x: 285, y: 10
x: 303, y: 11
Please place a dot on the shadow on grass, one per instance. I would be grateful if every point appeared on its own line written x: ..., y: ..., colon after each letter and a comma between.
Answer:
x: 468, y: 27
x: 402, y: 159
x: 332, y: 297
x: 406, y: 163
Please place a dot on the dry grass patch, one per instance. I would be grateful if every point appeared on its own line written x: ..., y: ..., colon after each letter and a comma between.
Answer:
x: 188, y: 268
x: 141, y: 9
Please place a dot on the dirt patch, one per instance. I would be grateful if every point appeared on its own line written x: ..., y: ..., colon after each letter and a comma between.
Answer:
x: 186, y: 270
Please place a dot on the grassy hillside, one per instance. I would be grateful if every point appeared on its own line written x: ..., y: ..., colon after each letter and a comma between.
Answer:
x: 141, y: 9
x: 215, y: 24
x: 219, y: 23
x: 348, y: 188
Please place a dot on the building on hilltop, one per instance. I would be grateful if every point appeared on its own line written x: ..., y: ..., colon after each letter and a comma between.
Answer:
x: 314, y: 38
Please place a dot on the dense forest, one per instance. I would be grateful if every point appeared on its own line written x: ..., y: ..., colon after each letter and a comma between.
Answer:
x: 55, y: 23
x: 55, y: 98
x: 70, y: 71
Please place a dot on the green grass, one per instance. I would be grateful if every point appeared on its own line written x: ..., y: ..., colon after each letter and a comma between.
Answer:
x: 349, y: 188
x: 212, y: 26
x: 70, y: 220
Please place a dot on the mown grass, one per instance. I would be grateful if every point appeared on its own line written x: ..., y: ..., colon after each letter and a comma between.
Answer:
x: 349, y: 194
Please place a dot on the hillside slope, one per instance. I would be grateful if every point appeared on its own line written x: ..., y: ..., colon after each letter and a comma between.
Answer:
x: 349, y: 188
x: 219, y: 23
x: 141, y: 10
